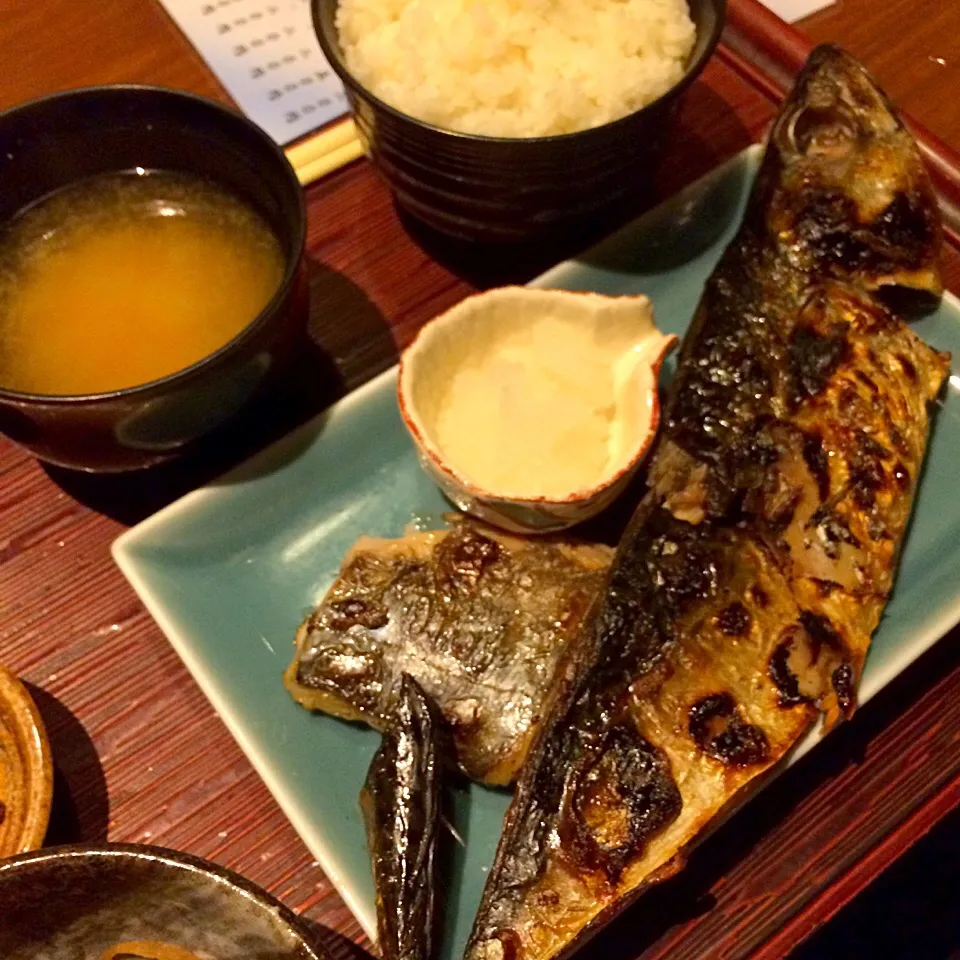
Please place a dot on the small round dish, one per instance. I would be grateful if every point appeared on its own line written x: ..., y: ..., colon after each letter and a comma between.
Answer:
x: 26, y: 770
x: 58, y: 140
x: 503, y: 190
x: 508, y: 389
x: 83, y: 901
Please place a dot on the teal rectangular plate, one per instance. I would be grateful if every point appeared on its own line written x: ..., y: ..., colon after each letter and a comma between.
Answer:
x: 230, y: 570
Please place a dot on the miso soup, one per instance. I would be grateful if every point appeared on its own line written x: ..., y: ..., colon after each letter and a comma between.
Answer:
x: 122, y: 279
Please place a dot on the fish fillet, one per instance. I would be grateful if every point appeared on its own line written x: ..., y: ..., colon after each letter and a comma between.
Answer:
x: 743, y: 595
x: 478, y: 618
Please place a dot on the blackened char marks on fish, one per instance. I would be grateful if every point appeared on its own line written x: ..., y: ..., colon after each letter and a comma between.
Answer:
x: 618, y: 801
x: 759, y: 596
x: 463, y: 559
x: 870, y: 449
x: 818, y: 464
x: 528, y: 851
x: 681, y: 565
x: 825, y: 588
x: 843, y: 683
x: 401, y: 808
x: 821, y: 631
x: 866, y: 466
x: 828, y: 646
x: 825, y: 227
x: 354, y: 612
x: 784, y: 678
x: 833, y: 530
x: 867, y: 381
x: 724, y: 376
x: 908, y: 226
x: 813, y: 357
x: 734, y: 620
x: 719, y: 730
x: 908, y: 368
x: 901, y: 237
x: 664, y: 567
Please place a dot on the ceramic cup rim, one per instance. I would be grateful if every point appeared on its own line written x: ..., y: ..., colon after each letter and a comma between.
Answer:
x: 330, y: 45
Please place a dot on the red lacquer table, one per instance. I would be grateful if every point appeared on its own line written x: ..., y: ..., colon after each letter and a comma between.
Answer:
x: 140, y: 754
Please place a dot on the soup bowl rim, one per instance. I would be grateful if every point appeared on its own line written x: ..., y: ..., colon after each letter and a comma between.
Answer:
x: 291, y: 267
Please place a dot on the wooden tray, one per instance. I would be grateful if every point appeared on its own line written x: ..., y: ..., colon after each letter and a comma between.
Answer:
x: 141, y: 755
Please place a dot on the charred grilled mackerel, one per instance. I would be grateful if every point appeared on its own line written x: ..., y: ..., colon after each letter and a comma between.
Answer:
x: 743, y: 595
x: 479, y: 618
x: 401, y: 808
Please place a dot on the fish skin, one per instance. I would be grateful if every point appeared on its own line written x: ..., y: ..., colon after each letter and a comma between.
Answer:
x: 400, y: 802
x: 742, y: 598
x: 478, y: 617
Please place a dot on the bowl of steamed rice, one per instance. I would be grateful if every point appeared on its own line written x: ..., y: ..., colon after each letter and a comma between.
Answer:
x: 508, y: 120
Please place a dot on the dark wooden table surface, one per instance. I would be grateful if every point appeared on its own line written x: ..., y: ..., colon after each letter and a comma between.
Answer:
x: 141, y: 755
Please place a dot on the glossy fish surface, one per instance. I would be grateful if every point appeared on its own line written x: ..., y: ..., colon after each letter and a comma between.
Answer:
x: 744, y: 592
x: 477, y: 617
x: 401, y: 808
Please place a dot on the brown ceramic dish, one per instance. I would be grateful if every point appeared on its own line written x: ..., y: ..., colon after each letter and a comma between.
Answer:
x: 502, y: 190
x: 57, y: 140
x: 26, y: 771
x: 80, y: 902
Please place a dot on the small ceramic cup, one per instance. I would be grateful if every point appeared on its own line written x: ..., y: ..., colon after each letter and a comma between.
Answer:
x: 429, y: 368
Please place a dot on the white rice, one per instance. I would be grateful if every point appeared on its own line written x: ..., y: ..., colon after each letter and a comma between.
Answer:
x: 516, y: 68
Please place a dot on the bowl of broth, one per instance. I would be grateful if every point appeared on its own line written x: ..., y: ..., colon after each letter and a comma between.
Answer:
x: 125, y: 901
x: 151, y: 273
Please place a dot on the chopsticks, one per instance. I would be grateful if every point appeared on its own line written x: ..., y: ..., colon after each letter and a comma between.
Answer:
x: 325, y: 152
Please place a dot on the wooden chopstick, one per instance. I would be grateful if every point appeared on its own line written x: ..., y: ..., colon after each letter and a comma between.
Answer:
x: 325, y: 152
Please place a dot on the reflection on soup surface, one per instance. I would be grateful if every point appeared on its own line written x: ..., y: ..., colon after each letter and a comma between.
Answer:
x: 122, y: 279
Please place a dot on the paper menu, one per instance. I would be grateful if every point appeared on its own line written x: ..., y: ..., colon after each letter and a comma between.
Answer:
x: 266, y: 54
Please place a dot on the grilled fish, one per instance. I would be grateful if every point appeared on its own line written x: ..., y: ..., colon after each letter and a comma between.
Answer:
x: 401, y: 808
x: 744, y: 592
x: 478, y: 618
